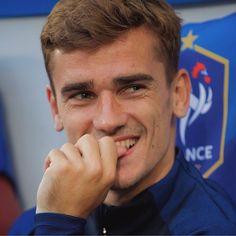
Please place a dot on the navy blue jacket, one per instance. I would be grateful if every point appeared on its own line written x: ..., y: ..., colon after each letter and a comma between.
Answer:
x: 183, y: 203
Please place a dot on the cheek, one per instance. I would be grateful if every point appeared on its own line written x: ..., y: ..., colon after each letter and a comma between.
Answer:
x: 154, y: 133
x: 76, y: 123
x: 159, y: 129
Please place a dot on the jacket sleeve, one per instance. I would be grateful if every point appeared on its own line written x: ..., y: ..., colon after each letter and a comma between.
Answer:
x: 58, y: 224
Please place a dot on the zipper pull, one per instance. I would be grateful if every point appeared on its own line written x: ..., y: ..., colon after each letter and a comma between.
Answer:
x: 104, y: 231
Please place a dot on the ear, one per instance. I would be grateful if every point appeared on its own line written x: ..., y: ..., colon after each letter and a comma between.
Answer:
x: 54, y: 109
x: 181, y: 90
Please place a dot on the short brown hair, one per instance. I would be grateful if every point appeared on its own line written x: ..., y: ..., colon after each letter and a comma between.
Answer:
x: 90, y: 24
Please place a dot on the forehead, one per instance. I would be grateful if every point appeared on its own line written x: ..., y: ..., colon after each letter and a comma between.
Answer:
x: 133, y: 52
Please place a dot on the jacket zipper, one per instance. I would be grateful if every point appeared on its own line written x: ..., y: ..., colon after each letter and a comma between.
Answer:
x: 104, y: 231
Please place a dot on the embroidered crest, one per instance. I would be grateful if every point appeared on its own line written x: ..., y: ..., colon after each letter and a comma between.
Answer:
x: 201, y: 133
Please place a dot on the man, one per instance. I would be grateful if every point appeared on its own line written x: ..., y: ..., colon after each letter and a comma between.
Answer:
x: 116, y: 90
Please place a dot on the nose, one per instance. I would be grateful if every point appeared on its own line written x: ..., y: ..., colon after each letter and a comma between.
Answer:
x: 110, y: 114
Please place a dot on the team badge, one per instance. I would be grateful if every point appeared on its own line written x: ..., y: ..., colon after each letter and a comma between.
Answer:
x: 201, y: 133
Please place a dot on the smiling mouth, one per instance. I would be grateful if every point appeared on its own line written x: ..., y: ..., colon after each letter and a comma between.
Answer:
x: 127, y: 143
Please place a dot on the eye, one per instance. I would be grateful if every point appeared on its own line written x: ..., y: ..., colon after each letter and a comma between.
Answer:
x: 83, y: 95
x: 134, y: 88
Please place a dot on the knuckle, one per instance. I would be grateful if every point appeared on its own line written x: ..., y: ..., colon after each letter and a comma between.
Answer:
x: 106, y: 139
x: 87, y: 138
x: 78, y: 168
x: 84, y: 138
x: 53, y: 152
x: 96, y: 172
x: 64, y: 167
x: 66, y: 146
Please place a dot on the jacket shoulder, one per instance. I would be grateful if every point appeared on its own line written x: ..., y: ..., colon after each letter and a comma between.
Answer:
x: 201, y: 207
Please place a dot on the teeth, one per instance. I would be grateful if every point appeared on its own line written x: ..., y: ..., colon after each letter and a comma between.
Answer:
x: 128, y: 143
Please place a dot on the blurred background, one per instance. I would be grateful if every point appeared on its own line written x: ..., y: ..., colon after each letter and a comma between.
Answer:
x: 27, y: 129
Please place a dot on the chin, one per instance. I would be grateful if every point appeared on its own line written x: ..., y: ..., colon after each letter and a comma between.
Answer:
x: 125, y: 183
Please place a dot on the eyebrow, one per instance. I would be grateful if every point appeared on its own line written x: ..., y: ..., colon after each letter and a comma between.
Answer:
x: 125, y: 80
x: 81, y: 86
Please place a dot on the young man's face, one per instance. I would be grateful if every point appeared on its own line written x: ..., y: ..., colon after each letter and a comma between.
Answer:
x: 121, y: 91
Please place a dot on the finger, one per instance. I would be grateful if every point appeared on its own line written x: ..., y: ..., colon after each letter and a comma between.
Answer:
x: 89, y: 149
x: 54, y: 157
x: 71, y: 152
x: 121, y: 150
x: 109, y: 155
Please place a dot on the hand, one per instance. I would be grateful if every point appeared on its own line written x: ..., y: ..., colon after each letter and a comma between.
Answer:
x: 77, y: 177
